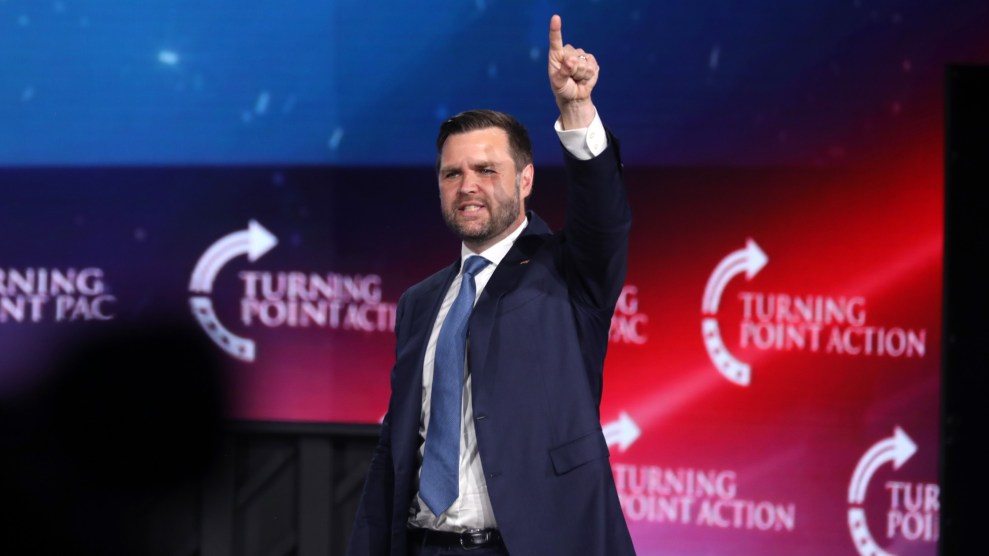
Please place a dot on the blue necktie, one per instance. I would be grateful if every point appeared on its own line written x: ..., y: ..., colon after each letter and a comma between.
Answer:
x: 439, y: 478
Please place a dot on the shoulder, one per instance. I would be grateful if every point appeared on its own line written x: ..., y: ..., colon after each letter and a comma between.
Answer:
x: 427, y: 286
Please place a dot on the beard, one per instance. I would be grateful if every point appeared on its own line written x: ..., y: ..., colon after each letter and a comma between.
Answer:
x: 501, y: 216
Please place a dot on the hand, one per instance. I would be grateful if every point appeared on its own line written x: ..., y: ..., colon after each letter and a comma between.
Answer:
x: 572, y: 75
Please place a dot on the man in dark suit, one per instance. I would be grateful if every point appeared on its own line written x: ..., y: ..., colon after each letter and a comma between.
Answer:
x: 492, y: 443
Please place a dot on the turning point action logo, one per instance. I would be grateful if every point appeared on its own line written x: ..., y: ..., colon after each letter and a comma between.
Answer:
x: 913, y: 507
x: 750, y: 261
x: 777, y: 321
x: 284, y: 299
x: 254, y: 242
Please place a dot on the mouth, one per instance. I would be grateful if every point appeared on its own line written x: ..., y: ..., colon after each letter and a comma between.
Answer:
x: 470, y: 209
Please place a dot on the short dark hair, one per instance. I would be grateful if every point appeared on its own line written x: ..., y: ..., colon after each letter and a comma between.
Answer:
x: 472, y: 120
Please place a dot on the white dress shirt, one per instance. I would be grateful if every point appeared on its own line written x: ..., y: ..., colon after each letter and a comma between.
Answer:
x: 472, y: 508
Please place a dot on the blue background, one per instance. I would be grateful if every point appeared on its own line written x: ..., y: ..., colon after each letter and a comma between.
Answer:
x: 365, y: 84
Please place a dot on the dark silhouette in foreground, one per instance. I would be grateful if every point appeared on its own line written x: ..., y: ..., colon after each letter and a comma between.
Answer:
x: 125, y: 417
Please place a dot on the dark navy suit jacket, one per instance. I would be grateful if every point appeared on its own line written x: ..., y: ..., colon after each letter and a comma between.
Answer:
x: 538, y: 337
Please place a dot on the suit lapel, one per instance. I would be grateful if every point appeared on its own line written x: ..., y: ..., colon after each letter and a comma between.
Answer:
x: 408, y: 380
x: 505, y: 278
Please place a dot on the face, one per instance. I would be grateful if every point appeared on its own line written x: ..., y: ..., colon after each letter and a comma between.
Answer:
x: 480, y: 190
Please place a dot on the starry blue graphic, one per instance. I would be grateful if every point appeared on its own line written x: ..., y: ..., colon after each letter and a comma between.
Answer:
x: 365, y: 84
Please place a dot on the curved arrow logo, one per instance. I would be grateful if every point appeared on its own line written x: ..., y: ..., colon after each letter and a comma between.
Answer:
x: 896, y: 449
x: 750, y: 261
x: 621, y: 433
x: 254, y: 242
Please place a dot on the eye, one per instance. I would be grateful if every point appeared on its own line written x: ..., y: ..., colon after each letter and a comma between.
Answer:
x: 487, y: 171
x: 451, y: 174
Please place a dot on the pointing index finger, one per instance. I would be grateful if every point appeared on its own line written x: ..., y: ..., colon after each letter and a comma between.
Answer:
x: 555, y: 33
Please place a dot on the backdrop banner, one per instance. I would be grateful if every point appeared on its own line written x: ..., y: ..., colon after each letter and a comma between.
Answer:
x: 773, y: 379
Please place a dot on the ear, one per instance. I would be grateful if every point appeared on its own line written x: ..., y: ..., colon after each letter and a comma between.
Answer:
x: 525, y: 183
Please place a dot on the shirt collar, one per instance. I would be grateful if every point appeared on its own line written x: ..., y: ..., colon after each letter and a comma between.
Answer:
x: 496, y: 252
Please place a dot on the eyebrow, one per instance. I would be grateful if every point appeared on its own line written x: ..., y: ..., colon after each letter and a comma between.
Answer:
x: 473, y: 165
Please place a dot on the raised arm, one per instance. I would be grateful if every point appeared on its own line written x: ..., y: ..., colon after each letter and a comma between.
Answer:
x: 572, y: 75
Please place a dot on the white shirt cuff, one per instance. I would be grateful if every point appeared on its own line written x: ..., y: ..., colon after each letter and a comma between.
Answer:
x: 584, y: 143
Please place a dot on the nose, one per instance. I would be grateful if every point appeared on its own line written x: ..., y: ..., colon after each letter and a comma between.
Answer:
x: 468, y: 184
